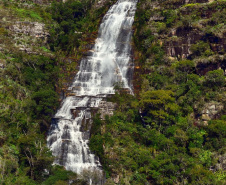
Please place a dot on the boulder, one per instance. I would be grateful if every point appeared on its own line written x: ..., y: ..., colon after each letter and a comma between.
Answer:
x: 205, y: 117
x: 210, y: 111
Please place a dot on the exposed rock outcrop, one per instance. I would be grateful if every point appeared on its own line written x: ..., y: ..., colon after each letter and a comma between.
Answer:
x: 34, y: 29
x: 210, y: 111
x: 203, y: 65
x: 178, y: 3
x: 221, y: 165
x: 106, y: 109
x: 182, y: 39
x: 100, y: 3
x: 37, y: 1
x: 2, y: 64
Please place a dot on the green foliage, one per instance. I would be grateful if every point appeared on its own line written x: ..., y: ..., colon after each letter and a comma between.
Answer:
x: 157, y: 139
x: 186, y: 66
x: 216, y: 135
x: 45, y: 101
x: 68, y: 15
x: 161, y: 27
x: 45, y: 49
x: 73, y: 21
x: 157, y: 80
x: 96, y: 142
x: 191, y: 5
x: 170, y: 17
x: 158, y: 106
x: 3, y: 31
x: 59, y: 176
x: 28, y: 101
x: 23, y: 13
x: 157, y: 52
x: 175, y: 153
x: 201, y: 48
x: 215, y: 79
x: 152, y: 137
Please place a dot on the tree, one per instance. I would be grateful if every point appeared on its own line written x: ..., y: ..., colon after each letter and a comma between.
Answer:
x: 34, y: 153
x: 158, y: 106
x: 186, y: 66
x: 45, y: 100
x: 215, y: 79
x: 200, y: 48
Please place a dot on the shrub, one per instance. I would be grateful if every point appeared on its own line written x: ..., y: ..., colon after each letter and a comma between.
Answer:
x: 186, y: 66
x: 159, y: 106
x: 200, y: 48
x: 215, y: 79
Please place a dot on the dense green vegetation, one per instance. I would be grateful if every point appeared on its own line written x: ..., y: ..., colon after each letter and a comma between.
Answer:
x: 74, y: 23
x: 159, y: 136
x: 28, y: 99
x: 69, y: 17
x: 165, y: 147
x: 29, y: 79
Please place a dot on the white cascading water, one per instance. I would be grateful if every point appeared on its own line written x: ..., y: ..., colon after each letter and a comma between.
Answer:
x: 109, y: 62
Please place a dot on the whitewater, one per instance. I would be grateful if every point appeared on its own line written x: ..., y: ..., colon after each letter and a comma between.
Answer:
x: 108, y: 63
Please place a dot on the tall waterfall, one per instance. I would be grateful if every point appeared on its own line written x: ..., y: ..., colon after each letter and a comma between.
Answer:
x: 109, y: 62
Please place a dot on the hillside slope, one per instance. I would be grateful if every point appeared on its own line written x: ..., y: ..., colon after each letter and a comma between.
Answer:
x: 173, y: 130
x: 40, y: 48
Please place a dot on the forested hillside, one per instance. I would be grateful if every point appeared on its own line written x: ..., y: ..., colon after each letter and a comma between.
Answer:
x: 171, y: 131
x: 41, y: 43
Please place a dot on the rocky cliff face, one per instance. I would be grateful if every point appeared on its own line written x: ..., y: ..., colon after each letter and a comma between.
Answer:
x: 175, y: 32
x: 201, y: 21
x: 23, y: 30
x: 179, y: 46
x: 34, y: 32
x: 34, y: 29
x: 106, y: 109
x: 211, y: 110
x: 41, y: 2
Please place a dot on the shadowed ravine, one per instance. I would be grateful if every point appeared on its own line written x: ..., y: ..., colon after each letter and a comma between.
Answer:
x: 108, y: 63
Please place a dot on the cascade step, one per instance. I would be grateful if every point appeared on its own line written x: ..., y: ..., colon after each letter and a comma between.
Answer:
x: 108, y: 63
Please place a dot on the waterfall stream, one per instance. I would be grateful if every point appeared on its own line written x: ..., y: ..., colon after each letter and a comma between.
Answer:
x: 109, y: 62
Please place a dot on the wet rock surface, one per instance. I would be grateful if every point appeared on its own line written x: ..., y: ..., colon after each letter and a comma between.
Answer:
x: 106, y: 109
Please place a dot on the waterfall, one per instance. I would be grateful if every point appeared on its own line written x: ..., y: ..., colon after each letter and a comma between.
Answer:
x: 109, y: 62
